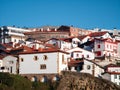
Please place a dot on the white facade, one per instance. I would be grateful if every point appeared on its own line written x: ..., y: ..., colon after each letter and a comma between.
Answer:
x: 115, y: 78
x: 60, y: 43
x: 114, y: 74
x: 87, y: 67
x: 75, y: 42
x: 1, y: 64
x: 92, y: 68
x: 105, y: 47
x: 13, y: 34
x: 17, y: 31
x: 118, y: 50
x: 85, y: 39
x: 106, y: 36
x: 80, y: 53
x: 42, y: 63
x: 10, y: 64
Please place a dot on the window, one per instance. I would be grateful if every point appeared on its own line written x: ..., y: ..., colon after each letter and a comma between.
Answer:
x: 88, y: 67
x: 35, y: 58
x: 82, y: 56
x: 98, y: 46
x: 115, y: 76
x: 45, y: 57
x: 63, y: 59
x: 72, y: 54
x: 119, y: 77
x: 87, y: 56
x: 69, y: 68
x: 22, y: 59
x: 43, y: 66
x: 110, y: 47
x: 99, y: 53
x: 107, y: 46
x: 74, y: 42
x: 14, y: 40
x: 11, y: 62
x: 77, y: 55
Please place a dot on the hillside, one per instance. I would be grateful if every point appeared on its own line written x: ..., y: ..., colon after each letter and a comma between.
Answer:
x: 69, y: 81
x: 82, y: 81
x: 17, y: 82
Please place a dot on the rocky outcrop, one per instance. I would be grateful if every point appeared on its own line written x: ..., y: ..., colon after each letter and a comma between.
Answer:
x: 84, y: 81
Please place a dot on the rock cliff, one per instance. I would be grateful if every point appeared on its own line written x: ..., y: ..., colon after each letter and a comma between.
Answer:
x: 84, y: 81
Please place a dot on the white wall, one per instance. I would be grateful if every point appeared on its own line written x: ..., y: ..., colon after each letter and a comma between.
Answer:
x: 85, y: 39
x: 53, y: 63
x: 0, y: 62
x: 75, y: 42
x: 9, y: 62
x: 107, y: 36
x: 96, y: 68
x: 85, y: 67
x: 81, y: 52
x: 115, y: 80
x: 65, y: 45
x: 31, y: 66
x: 63, y: 65
x: 98, y: 71
x: 114, y: 69
x: 118, y: 50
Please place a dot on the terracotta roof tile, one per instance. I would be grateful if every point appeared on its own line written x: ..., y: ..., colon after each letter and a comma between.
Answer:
x: 96, y: 34
x: 82, y: 37
x: 41, y: 50
x: 75, y: 62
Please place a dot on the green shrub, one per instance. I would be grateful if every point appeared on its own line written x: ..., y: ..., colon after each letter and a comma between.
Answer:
x: 17, y: 82
x: 14, y: 82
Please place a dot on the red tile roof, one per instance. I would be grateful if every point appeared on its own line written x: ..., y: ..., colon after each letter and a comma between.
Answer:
x: 28, y: 50
x: 107, y: 40
x: 97, y: 34
x: 7, y: 45
x: 74, y: 63
x: 1, y: 56
x: 82, y: 37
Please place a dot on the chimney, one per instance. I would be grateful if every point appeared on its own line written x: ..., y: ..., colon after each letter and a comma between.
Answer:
x: 48, y: 29
x: 115, y: 32
x: 55, y: 29
x: 42, y: 29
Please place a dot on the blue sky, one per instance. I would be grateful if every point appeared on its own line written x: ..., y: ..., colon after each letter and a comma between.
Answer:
x: 86, y: 14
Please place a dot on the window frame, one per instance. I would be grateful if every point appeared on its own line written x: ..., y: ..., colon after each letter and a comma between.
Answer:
x: 98, y: 46
x: 35, y: 58
x: 88, y: 67
x: 43, y: 66
x: 45, y: 57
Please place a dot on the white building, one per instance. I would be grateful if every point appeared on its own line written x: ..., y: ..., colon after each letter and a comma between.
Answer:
x: 80, y: 53
x: 1, y: 63
x: 12, y: 34
x: 91, y: 67
x: 103, y: 35
x: 43, y: 61
x: 10, y: 64
x: 113, y: 74
x: 77, y: 59
x: 61, y: 44
x: 105, y: 47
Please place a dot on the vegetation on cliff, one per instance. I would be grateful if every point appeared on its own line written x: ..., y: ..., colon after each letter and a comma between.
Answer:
x: 69, y: 81
x: 84, y: 81
x: 17, y: 82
